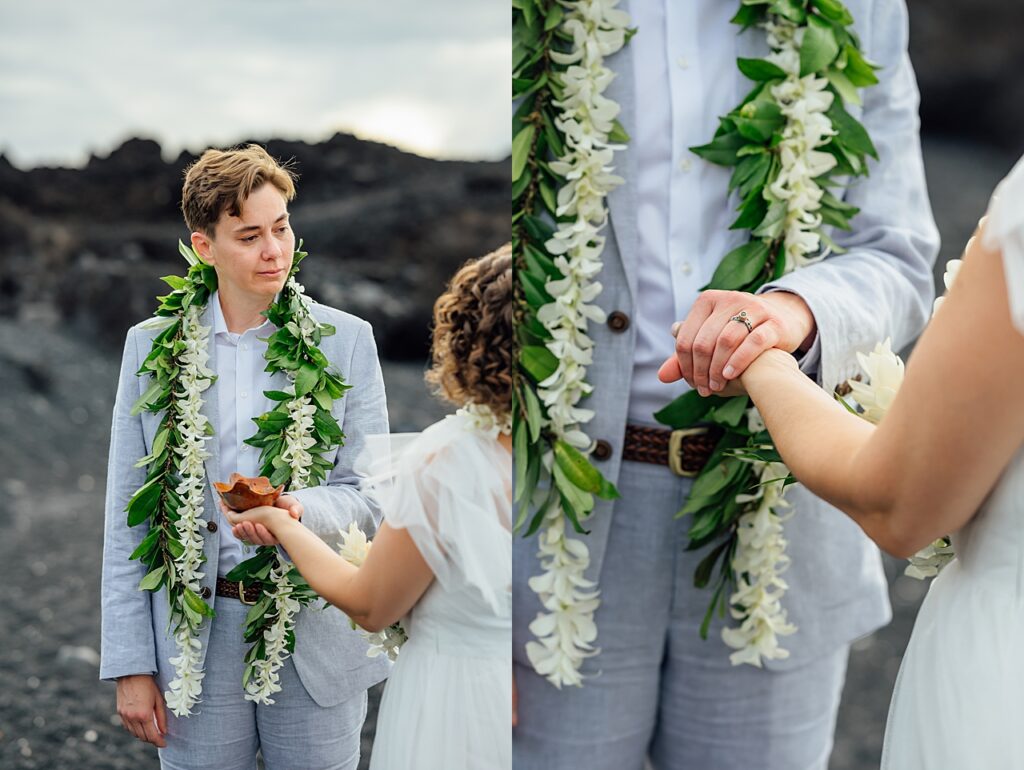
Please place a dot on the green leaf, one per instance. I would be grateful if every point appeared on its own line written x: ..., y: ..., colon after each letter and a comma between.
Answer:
x: 520, y: 453
x: 760, y: 69
x: 306, y: 378
x: 554, y: 17
x: 773, y: 223
x: 819, y: 48
x: 834, y: 11
x: 577, y: 467
x: 148, y: 542
x: 687, y: 410
x: 791, y: 9
x: 521, y: 145
x: 730, y: 413
x: 722, y: 149
x: 533, y: 413
x: 144, y: 501
x: 538, y: 361
x: 747, y: 16
x: 618, y: 134
x: 151, y: 396
x: 859, y: 70
x: 847, y: 91
x: 759, y: 119
x: 152, y: 580
x: 740, y: 266
x: 752, y: 212
x: 160, y: 441
x: 278, y: 395
x: 197, y: 605
x: 851, y: 133
x: 533, y: 288
x: 702, y: 575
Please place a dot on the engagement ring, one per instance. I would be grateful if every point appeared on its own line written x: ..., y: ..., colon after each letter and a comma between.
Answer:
x: 742, y: 318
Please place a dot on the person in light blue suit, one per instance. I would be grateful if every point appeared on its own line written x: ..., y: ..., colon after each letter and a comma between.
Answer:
x: 236, y: 205
x: 656, y: 692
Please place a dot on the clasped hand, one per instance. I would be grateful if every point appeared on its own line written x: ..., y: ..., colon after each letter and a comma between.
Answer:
x: 712, y: 350
x: 255, y: 525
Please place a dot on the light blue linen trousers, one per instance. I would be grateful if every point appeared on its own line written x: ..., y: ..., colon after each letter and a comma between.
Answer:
x: 657, y: 687
x: 295, y: 733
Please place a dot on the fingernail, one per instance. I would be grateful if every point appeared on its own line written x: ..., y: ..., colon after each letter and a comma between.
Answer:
x: 715, y: 385
x: 675, y: 328
x: 728, y: 372
x: 702, y: 390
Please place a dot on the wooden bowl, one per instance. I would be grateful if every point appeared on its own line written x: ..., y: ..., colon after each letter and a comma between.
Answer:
x: 242, y: 493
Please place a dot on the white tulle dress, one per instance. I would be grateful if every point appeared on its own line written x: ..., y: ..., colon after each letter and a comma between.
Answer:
x: 959, y: 697
x: 448, y: 702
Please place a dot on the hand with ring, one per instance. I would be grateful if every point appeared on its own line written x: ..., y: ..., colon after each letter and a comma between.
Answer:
x: 726, y: 330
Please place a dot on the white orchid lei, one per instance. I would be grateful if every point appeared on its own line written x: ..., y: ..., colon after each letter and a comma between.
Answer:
x: 293, y: 438
x: 884, y: 374
x: 565, y: 139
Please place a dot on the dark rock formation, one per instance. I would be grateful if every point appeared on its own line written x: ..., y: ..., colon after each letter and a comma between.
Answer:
x: 384, y: 229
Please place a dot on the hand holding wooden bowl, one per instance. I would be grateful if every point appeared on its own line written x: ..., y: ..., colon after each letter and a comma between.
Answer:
x: 242, y: 493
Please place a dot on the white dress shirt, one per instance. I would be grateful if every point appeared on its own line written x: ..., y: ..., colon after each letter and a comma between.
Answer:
x: 685, y: 78
x: 241, y: 380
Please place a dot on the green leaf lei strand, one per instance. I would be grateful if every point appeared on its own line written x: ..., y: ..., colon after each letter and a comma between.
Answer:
x: 788, y: 141
x: 564, y: 139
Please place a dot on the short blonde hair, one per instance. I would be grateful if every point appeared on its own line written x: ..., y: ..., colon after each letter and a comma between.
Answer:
x: 472, y: 348
x: 221, y: 180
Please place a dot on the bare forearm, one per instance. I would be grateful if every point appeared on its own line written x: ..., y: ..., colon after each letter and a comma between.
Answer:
x: 327, y: 572
x: 822, y: 444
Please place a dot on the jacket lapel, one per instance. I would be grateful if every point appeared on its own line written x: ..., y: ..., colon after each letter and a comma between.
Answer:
x: 622, y: 199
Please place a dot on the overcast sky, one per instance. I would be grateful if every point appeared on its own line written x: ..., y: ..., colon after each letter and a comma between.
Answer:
x: 81, y: 76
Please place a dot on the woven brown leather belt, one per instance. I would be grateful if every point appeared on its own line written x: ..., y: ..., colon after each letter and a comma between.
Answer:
x: 230, y: 590
x: 685, y: 451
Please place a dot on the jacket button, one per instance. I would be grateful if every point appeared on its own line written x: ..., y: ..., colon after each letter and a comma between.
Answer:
x: 618, y: 321
x: 205, y: 592
x: 211, y: 526
x: 602, y: 450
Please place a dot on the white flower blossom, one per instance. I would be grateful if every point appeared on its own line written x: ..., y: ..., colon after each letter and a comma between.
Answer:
x: 193, y: 378
x: 952, y: 270
x: 759, y: 562
x: 486, y: 420
x: 885, y: 375
x: 266, y: 680
x: 298, y: 440
x: 354, y: 546
x: 186, y: 687
x: 804, y: 102
x: 566, y: 631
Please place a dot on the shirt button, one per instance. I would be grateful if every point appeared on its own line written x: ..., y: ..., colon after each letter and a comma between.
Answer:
x: 243, y: 394
x: 602, y: 450
x: 211, y: 526
x: 245, y: 346
x: 245, y: 448
x: 683, y: 63
x: 205, y: 593
x: 618, y: 321
x: 686, y: 268
x: 685, y: 165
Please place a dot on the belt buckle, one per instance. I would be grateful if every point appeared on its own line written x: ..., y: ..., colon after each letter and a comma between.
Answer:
x: 241, y: 594
x: 675, y: 450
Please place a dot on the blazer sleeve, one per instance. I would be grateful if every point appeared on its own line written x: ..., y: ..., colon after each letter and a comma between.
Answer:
x: 331, y: 507
x: 127, y: 642
x: 882, y: 287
